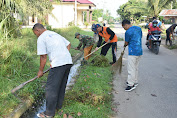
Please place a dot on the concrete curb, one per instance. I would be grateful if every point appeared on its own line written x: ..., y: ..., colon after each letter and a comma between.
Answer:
x: 27, y: 104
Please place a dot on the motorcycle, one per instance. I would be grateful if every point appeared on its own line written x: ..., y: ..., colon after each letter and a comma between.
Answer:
x: 155, y: 41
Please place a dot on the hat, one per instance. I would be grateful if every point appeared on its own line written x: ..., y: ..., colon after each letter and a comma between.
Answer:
x: 77, y: 33
x: 97, y: 25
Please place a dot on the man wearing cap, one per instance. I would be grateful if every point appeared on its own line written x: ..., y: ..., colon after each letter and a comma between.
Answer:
x: 87, y: 42
x: 110, y: 38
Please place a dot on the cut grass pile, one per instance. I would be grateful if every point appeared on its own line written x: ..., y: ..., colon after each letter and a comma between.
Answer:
x: 99, y: 60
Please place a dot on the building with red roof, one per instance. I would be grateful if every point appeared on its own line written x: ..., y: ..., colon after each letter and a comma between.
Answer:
x: 67, y: 13
x: 169, y: 14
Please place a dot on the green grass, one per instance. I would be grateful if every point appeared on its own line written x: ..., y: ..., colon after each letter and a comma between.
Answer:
x: 120, y: 39
x: 19, y: 63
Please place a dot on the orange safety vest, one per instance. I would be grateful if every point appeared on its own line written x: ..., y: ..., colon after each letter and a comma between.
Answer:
x: 107, y: 36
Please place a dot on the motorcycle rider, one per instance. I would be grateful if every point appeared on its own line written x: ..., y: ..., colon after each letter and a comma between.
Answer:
x: 154, y: 27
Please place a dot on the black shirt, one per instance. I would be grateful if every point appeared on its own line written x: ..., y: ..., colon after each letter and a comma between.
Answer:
x: 109, y: 32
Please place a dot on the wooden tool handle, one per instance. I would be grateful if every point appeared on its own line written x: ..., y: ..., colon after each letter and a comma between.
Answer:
x: 95, y: 50
x: 23, y: 84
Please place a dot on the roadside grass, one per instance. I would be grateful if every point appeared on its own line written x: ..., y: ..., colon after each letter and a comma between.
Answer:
x: 90, y: 96
x: 19, y: 63
x: 174, y: 44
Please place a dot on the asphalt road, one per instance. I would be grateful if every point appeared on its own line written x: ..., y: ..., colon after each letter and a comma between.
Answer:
x: 156, y: 94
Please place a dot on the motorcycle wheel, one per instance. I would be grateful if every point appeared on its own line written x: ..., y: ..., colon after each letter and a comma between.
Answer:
x: 156, y: 48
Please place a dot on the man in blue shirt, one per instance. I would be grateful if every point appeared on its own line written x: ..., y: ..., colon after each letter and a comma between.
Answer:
x: 133, y: 37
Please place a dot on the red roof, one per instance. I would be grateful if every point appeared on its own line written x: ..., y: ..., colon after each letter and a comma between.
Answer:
x: 168, y: 12
x: 80, y: 1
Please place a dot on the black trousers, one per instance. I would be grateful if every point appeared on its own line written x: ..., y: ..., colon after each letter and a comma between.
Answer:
x: 168, y: 37
x: 105, y: 49
x: 55, y: 88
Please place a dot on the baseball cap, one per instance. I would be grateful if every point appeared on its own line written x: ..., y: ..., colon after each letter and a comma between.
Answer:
x: 77, y: 33
x: 97, y: 25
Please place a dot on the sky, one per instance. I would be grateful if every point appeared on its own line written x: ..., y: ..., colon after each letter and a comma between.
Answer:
x: 111, y: 5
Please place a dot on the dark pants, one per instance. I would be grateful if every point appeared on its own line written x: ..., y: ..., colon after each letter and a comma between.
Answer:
x: 55, y: 88
x: 105, y: 49
x: 168, y: 37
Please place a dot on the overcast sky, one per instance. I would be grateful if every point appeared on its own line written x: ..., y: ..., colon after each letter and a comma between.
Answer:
x: 111, y: 5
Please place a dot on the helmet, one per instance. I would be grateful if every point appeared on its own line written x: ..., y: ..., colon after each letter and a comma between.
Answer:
x: 154, y: 23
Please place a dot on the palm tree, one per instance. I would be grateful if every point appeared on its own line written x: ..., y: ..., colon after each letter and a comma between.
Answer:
x: 155, y: 6
x: 9, y: 25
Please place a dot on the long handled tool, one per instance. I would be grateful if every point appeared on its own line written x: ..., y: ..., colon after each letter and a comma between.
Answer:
x: 23, y: 84
x: 95, y: 50
x: 118, y: 64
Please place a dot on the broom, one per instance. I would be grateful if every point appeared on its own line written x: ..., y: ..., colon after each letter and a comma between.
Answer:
x: 118, y: 64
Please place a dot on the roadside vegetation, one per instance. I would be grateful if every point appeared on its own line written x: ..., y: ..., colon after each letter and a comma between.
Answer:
x: 18, y: 62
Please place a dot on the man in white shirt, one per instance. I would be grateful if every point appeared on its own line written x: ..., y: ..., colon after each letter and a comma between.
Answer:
x: 57, y: 48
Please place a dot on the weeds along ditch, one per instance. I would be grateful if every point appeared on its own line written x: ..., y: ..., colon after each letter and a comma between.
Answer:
x: 19, y: 63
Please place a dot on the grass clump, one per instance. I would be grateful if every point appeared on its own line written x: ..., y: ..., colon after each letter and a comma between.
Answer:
x: 99, y: 60
x: 172, y: 47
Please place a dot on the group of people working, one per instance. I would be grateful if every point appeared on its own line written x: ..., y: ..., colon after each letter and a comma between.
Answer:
x: 57, y: 48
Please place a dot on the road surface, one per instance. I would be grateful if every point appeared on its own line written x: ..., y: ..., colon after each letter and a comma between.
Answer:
x: 156, y: 94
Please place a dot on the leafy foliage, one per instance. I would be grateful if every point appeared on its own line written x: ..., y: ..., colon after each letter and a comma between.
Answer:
x: 96, y: 14
x: 157, y: 5
x: 24, y: 8
x: 133, y: 9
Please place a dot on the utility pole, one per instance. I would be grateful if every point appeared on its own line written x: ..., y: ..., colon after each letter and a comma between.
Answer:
x: 75, y: 13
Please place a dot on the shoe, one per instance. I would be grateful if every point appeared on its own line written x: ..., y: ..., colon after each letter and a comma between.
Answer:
x: 130, y: 88
x: 146, y: 43
x: 135, y: 84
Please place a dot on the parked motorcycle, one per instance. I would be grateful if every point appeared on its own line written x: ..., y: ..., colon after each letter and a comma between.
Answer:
x: 155, y: 41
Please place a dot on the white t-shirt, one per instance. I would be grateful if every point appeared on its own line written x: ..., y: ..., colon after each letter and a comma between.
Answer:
x: 55, y: 46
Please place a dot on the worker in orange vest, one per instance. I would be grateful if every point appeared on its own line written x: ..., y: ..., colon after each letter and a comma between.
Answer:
x: 110, y: 37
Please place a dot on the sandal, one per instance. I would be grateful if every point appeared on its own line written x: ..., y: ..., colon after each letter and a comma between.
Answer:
x: 42, y: 115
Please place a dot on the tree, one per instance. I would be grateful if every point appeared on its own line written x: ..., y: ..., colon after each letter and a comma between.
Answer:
x: 96, y: 14
x: 133, y: 9
x: 155, y: 6
x: 9, y: 25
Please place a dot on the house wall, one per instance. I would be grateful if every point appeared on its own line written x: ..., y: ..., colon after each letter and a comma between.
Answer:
x: 63, y: 14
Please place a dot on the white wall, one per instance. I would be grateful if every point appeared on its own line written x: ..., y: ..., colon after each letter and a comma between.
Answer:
x: 63, y: 15
x: 79, y: 18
